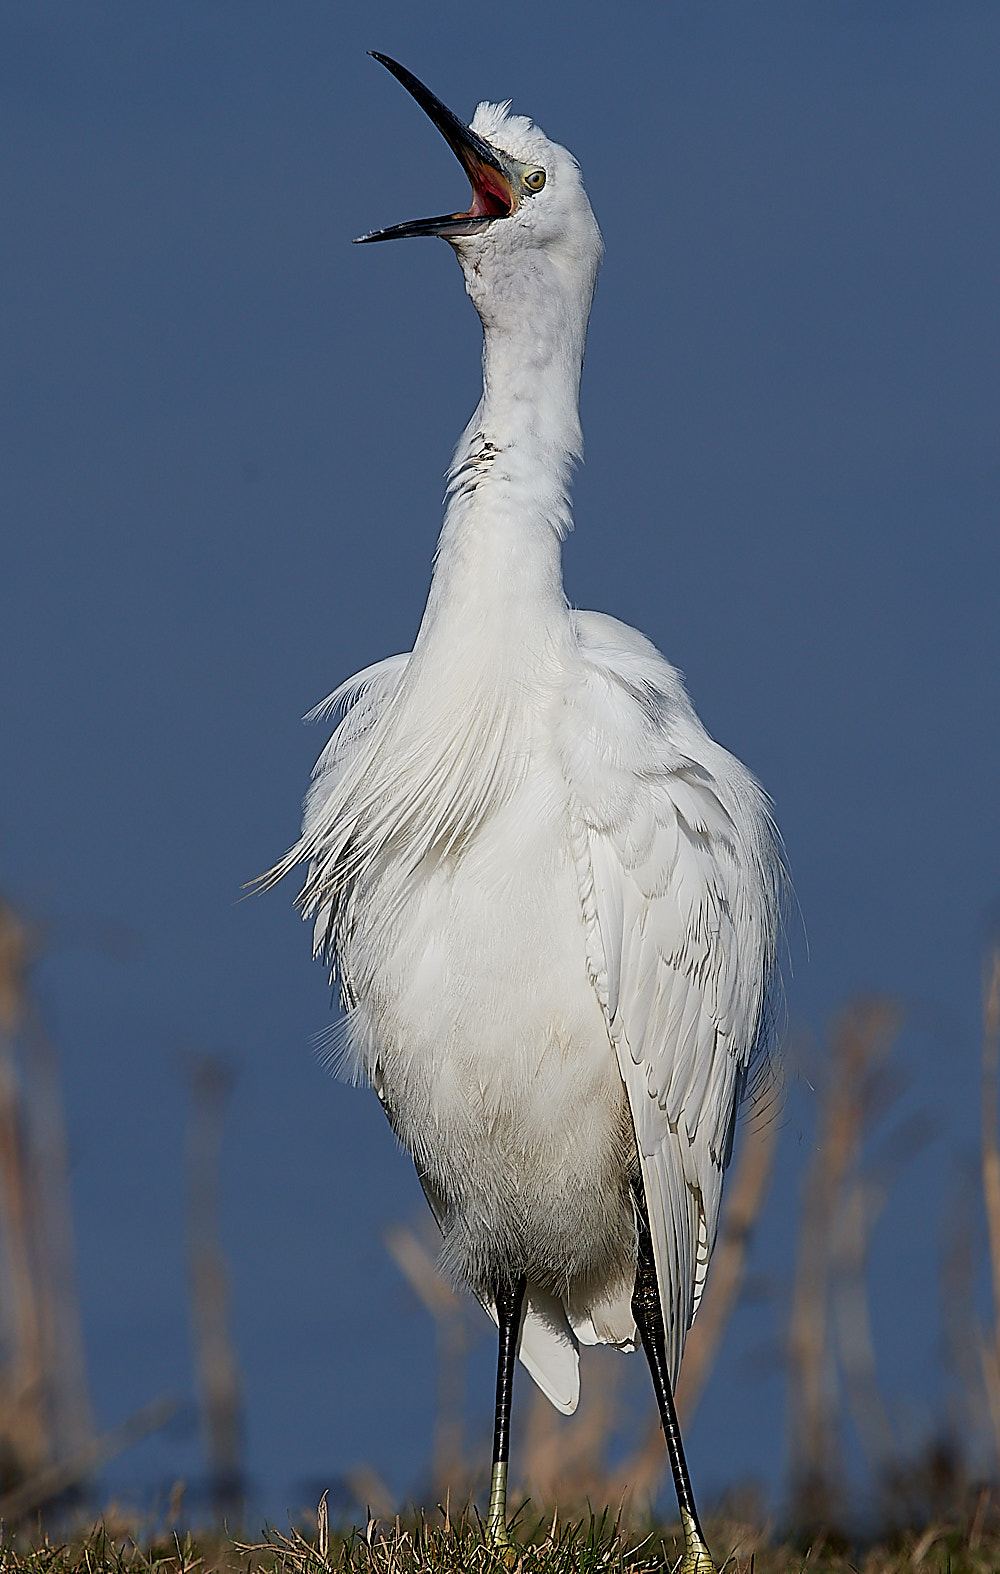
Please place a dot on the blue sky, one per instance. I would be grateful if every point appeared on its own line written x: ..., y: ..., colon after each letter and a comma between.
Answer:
x: 224, y: 439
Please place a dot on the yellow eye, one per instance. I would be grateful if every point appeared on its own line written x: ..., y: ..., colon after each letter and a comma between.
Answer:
x: 535, y: 179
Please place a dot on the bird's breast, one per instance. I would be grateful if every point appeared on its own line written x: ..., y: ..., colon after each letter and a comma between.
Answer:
x: 484, y: 1034
x: 485, y: 957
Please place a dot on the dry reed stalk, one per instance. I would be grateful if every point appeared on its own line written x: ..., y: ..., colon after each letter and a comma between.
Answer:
x: 47, y: 1445
x: 855, y: 1343
x: 541, y: 1450
x: 867, y: 1186
x: 219, y: 1382
x: 859, y: 1042
x: 990, y: 1342
x: 44, y: 1406
x: 24, y: 1422
x: 55, y: 1479
x: 71, y: 1417
x: 368, y: 1488
x: 564, y: 1460
x: 451, y: 1468
x: 636, y: 1483
x: 967, y: 1418
x: 638, y: 1479
x: 744, y: 1198
x: 990, y: 1369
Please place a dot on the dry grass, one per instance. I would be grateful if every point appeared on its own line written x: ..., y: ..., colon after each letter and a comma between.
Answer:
x: 446, y: 1546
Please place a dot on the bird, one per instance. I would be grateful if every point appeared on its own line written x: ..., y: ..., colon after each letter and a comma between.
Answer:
x: 549, y: 898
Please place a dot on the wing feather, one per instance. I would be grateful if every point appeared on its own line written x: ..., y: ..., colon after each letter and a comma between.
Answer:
x: 680, y: 881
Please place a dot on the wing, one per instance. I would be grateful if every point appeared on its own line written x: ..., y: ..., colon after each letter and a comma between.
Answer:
x: 680, y: 879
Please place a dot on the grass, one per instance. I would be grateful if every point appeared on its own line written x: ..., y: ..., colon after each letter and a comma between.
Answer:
x: 596, y: 1545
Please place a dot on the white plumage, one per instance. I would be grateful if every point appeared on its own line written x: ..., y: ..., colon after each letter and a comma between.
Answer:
x: 550, y: 898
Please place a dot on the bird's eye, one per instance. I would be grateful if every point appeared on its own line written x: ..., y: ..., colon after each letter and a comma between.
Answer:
x: 535, y: 179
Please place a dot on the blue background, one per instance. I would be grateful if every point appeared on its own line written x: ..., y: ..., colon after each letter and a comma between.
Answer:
x: 223, y: 439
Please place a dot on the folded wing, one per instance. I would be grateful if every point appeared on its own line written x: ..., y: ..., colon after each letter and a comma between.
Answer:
x: 680, y: 881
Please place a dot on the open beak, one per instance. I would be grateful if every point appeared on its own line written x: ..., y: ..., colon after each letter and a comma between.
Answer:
x: 492, y: 190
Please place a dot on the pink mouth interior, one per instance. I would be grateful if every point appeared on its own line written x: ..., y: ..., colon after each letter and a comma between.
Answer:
x: 490, y: 198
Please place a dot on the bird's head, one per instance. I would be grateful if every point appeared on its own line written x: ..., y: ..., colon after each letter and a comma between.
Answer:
x: 529, y: 234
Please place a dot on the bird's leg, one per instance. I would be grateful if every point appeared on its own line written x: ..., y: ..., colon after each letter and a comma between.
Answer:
x: 648, y: 1315
x: 509, y: 1298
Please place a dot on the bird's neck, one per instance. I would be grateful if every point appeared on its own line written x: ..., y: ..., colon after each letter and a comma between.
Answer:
x: 498, y: 571
x: 531, y: 384
x: 496, y: 636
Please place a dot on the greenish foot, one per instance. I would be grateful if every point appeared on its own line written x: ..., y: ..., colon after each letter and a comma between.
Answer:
x: 697, y: 1559
x: 496, y: 1520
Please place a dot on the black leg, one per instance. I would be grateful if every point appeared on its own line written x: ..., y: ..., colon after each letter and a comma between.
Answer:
x: 509, y: 1298
x: 648, y: 1315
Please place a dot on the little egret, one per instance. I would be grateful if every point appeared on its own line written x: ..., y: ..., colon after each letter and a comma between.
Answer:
x: 549, y: 897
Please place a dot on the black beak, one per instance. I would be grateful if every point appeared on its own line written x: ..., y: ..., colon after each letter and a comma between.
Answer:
x: 492, y: 189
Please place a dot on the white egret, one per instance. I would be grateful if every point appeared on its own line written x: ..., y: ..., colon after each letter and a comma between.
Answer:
x: 550, y: 898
